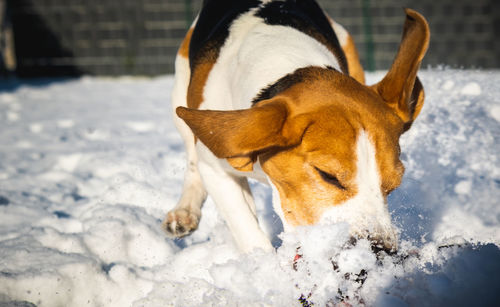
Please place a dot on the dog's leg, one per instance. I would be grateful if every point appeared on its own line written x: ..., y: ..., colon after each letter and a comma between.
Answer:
x: 234, y: 202
x: 184, y: 218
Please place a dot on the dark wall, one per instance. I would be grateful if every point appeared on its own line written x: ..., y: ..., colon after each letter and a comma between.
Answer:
x: 140, y: 37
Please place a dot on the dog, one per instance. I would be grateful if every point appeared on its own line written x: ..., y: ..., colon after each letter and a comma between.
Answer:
x: 274, y: 90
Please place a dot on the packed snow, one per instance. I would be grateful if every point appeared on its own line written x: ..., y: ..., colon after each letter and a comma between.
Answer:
x: 89, y: 167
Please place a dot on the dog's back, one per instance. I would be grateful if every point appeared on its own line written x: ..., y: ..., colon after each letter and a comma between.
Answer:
x: 253, y: 45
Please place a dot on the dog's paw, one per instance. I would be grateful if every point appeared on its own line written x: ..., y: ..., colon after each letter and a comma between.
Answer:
x: 180, y: 222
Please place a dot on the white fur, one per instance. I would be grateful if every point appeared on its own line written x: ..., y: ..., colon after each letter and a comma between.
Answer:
x: 366, y: 212
x: 234, y: 202
x: 277, y: 207
x: 341, y: 32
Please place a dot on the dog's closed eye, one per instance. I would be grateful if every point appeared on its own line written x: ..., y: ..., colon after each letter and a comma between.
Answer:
x: 331, y: 179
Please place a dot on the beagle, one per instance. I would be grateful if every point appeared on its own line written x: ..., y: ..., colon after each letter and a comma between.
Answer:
x: 274, y: 90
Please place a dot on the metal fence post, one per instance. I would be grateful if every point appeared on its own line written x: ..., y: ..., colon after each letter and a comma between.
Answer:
x: 188, y: 13
x: 367, y: 29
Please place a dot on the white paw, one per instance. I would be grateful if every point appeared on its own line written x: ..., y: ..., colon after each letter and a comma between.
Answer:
x: 180, y: 222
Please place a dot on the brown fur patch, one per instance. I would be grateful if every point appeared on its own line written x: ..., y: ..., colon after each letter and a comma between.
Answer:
x: 351, y: 53
x: 230, y: 134
x: 199, y: 77
x: 184, y: 49
x: 199, y: 73
x: 400, y: 88
x: 354, y: 66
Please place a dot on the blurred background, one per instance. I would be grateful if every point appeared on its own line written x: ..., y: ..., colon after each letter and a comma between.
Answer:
x: 42, y: 38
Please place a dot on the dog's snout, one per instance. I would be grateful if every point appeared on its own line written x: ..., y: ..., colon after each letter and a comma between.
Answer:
x: 379, y: 245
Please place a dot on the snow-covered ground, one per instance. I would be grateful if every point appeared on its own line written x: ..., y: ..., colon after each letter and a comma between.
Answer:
x: 89, y: 167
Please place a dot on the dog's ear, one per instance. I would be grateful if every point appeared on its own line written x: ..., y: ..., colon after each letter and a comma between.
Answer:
x: 240, y: 135
x: 400, y: 88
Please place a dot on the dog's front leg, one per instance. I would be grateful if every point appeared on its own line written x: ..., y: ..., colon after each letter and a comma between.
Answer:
x: 234, y: 202
x: 184, y: 218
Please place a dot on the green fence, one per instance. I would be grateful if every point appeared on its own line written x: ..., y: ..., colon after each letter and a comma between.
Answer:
x: 140, y: 37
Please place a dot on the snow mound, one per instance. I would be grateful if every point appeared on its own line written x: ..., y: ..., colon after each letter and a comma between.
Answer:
x: 90, y: 166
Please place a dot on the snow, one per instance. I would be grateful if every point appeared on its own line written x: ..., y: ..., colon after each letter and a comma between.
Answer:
x: 471, y: 89
x: 463, y: 187
x: 495, y: 112
x: 90, y: 166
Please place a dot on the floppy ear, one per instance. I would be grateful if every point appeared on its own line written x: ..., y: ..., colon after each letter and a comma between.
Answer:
x: 240, y: 135
x: 400, y: 88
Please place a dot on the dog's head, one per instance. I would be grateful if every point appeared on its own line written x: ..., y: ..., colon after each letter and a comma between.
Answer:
x: 329, y: 144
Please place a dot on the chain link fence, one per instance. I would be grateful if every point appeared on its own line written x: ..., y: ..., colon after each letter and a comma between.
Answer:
x: 141, y: 37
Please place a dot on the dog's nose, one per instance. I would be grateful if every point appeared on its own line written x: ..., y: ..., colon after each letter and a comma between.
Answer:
x: 378, y: 246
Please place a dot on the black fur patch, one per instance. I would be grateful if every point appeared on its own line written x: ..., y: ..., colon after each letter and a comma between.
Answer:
x: 307, y: 17
x: 286, y: 82
x: 279, y: 86
x: 212, y: 28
